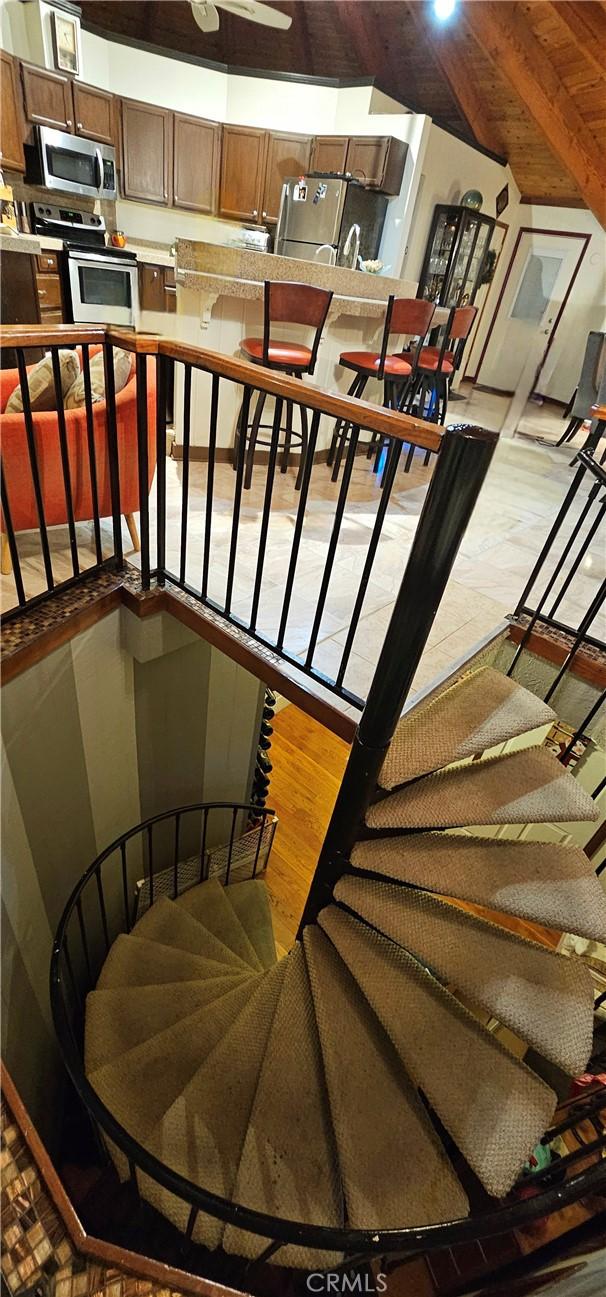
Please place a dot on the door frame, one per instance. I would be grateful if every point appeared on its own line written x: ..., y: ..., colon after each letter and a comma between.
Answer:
x: 585, y: 240
x: 469, y: 378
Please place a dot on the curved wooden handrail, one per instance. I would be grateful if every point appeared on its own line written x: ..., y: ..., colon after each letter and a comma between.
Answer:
x: 373, y: 418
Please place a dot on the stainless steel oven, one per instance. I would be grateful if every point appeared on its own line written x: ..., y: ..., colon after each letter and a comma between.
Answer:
x: 103, y: 286
x: 72, y: 165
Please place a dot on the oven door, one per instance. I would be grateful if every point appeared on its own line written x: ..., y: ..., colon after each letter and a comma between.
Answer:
x: 73, y: 165
x: 103, y: 289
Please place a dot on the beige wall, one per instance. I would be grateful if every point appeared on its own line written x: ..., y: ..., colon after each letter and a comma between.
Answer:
x: 128, y: 719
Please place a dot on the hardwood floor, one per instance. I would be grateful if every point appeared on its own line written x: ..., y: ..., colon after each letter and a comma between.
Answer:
x: 308, y: 763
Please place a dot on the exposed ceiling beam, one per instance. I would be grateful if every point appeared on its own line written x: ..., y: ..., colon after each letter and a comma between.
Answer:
x: 586, y: 24
x: 451, y: 58
x: 502, y: 32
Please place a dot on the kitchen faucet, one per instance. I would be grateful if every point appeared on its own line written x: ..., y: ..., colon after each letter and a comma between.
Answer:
x: 354, y: 231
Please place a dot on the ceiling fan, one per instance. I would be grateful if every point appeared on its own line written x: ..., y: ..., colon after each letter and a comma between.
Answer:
x: 207, y: 17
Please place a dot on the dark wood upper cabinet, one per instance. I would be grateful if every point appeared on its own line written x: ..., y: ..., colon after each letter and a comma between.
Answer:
x: 146, y: 152
x: 196, y: 158
x: 48, y: 97
x: 11, y: 119
x: 329, y: 153
x: 377, y: 160
x: 242, y: 173
x: 93, y: 115
x: 287, y: 155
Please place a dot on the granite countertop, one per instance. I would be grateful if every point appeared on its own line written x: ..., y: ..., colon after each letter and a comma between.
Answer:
x: 153, y: 255
x: 29, y: 243
x: 213, y: 267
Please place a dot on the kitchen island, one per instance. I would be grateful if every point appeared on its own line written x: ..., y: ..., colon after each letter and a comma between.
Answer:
x: 220, y: 301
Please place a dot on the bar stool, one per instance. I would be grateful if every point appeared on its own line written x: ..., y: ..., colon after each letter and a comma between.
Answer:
x: 435, y: 369
x: 405, y: 315
x: 284, y: 303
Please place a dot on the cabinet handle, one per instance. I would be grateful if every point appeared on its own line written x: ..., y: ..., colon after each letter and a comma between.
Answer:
x: 68, y: 122
x: 79, y: 125
x: 264, y: 214
x: 255, y: 213
x: 41, y: 292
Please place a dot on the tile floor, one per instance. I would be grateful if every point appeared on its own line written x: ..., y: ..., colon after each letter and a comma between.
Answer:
x: 522, y: 493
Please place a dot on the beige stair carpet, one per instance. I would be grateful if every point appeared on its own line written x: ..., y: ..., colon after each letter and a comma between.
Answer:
x: 210, y: 904
x: 493, y: 1106
x: 117, y: 1019
x: 394, y: 1169
x: 251, y: 904
x: 167, y: 922
x: 289, y: 1164
x: 545, y: 998
x: 202, y: 1134
x: 524, y: 787
x: 481, y: 709
x: 547, y: 882
x: 133, y: 961
x: 143, y: 1082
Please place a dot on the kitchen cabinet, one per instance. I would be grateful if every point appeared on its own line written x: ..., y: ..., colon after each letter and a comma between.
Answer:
x: 18, y: 301
x: 48, y: 288
x: 196, y: 160
x: 329, y: 153
x: 287, y: 156
x: 157, y: 288
x: 47, y: 97
x: 146, y: 152
x: 11, y: 122
x: 93, y: 113
x: 378, y: 160
x: 242, y: 173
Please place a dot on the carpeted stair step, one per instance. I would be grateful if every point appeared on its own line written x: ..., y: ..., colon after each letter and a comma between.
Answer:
x: 545, y: 998
x: 133, y: 961
x: 288, y: 1166
x: 547, y: 882
x: 210, y: 904
x: 118, y: 1019
x: 493, y: 1106
x: 142, y: 1083
x: 251, y: 904
x: 202, y: 1134
x: 394, y: 1169
x: 169, y: 923
x: 481, y: 709
x: 528, y: 786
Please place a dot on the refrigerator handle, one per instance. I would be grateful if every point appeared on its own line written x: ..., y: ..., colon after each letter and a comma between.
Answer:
x: 282, y: 214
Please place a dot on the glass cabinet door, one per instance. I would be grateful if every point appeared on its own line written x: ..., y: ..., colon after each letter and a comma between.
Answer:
x: 475, y: 265
x: 462, y: 259
x: 441, y: 248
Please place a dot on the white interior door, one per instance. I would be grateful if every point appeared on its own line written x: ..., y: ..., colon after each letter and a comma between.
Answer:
x: 536, y: 286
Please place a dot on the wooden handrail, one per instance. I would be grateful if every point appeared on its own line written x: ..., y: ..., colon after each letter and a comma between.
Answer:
x: 373, y: 418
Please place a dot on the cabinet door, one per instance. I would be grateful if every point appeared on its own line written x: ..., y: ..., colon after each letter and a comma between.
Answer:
x: 196, y: 150
x: 329, y: 153
x: 48, y: 97
x: 146, y: 152
x: 11, y: 120
x: 287, y: 156
x: 366, y: 158
x: 151, y: 288
x: 93, y: 114
x: 242, y: 172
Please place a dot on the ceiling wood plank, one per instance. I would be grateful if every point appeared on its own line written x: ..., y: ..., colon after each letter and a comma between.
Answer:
x: 452, y: 60
x: 503, y: 33
x: 586, y: 24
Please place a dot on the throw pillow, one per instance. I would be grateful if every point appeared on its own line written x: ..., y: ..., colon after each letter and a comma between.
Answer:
x: 122, y: 370
x: 42, y: 385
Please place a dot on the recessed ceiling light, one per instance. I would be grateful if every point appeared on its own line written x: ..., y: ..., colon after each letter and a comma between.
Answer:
x: 443, y: 9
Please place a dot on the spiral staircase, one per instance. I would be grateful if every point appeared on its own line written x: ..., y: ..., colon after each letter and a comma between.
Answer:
x: 345, y: 1085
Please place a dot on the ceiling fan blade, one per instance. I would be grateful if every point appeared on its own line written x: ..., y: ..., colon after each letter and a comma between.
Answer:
x: 205, y: 15
x: 256, y: 12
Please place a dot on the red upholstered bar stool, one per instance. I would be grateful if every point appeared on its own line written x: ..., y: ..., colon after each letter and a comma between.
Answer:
x: 409, y: 316
x: 284, y: 303
x: 436, y: 367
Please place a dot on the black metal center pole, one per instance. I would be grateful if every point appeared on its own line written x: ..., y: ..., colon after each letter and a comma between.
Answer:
x: 463, y: 461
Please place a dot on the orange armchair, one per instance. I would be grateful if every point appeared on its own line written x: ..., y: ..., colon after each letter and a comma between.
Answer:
x: 17, y: 471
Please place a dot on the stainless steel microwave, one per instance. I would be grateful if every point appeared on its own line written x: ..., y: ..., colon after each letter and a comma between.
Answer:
x: 72, y: 165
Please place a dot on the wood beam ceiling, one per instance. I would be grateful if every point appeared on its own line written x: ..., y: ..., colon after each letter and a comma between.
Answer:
x: 505, y: 36
x: 586, y: 24
x: 452, y: 59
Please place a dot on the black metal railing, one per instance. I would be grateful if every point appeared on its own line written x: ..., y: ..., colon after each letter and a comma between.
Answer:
x: 555, y: 599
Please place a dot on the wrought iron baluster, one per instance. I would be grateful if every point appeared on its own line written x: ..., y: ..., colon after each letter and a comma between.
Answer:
x: 332, y: 545
x: 185, y: 473
x: 300, y: 519
x: 233, y: 546
x: 33, y: 461
x: 143, y: 465
x: 162, y: 364
x: 269, y: 484
x: 64, y: 453
x: 112, y: 450
x: 210, y: 480
x: 92, y: 457
x: 12, y: 543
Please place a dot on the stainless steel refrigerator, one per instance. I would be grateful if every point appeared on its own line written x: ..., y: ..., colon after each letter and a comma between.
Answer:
x: 329, y: 220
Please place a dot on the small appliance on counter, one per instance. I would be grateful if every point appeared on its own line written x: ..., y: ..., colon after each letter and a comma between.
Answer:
x: 71, y: 164
x: 100, y: 283
x: 330, y: 219
x: 252, y: 240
